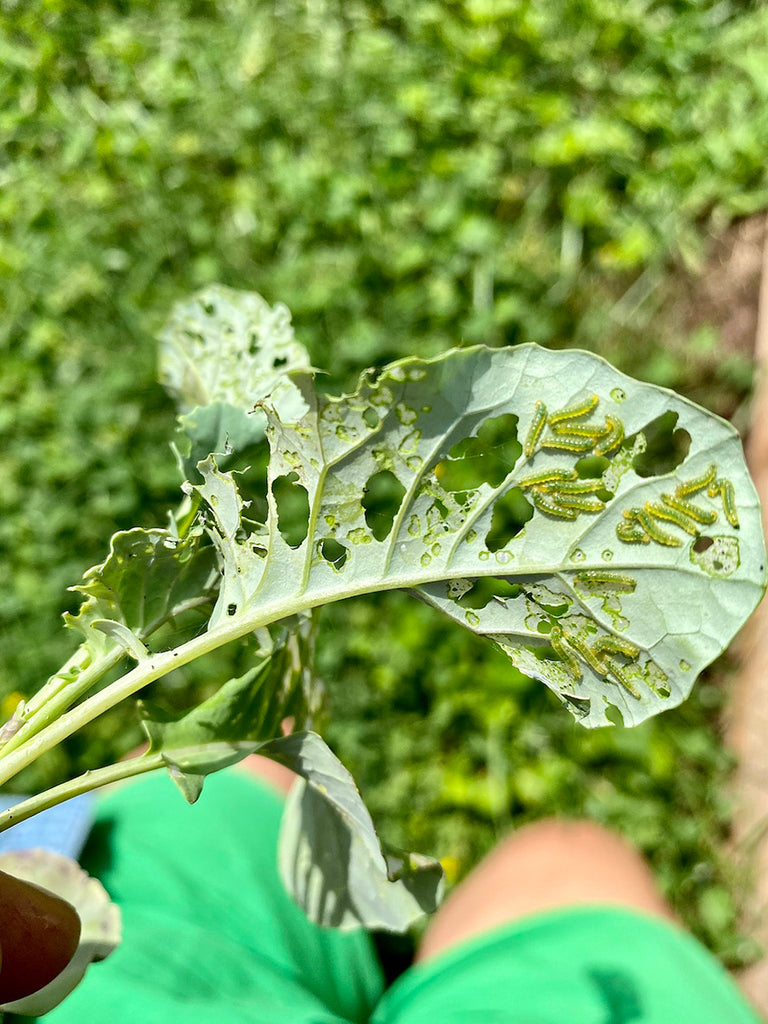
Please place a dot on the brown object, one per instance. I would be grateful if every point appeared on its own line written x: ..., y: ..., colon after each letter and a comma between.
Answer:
x: 748, y: 719
x: 39, y: 933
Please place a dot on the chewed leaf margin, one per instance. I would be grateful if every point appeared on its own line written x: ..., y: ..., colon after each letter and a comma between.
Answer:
x: 526, y: 465
x: 227, y: 346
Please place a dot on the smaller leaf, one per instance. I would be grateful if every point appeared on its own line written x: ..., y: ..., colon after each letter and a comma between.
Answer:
x: 150, y: 578
x: 217, y: 733
x: 234, y: 348
x: 352, y: 882
x: 123, y: 637
x: 243, y: 714
x: 150, y: 593
x: 330, y: 857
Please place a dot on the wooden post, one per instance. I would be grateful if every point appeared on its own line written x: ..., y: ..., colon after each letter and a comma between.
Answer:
x: 747, y: 726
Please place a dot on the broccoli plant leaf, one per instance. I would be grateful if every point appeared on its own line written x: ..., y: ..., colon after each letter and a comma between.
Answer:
x: 228, y: 346
x: 150, y: 579
x: 151, y: 590
x: 603, y: 532
x: 221, y: 351
x: 243, y: 713
x: 329, y: 856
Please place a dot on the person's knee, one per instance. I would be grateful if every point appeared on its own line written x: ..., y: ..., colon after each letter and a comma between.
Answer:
x: 561, y: 835
x: 547, y: 865
x: 570, y: 841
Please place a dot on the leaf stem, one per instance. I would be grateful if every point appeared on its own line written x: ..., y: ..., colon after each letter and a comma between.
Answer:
x: 147, y: 671
x: 58, y: 694
x: 83, y: 784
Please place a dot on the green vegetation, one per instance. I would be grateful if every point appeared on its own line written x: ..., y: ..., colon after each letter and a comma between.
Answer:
x: 405, y: 177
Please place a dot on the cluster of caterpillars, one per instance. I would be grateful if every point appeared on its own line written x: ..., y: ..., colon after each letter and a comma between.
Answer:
x: 603, y: 654
x: 641, y: 525
x: 566, y: 432
x: 600, y: 655
x: 563, y: 494
x: 560, y: 492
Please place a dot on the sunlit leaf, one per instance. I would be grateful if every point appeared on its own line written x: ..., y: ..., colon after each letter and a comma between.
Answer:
x: 603, y: 532
x: 243, y: 713
x: 330, y: 857
x: 150, y: 579
x: 229, y: 346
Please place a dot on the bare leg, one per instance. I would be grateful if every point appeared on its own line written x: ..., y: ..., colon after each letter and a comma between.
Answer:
x: 544, y: 866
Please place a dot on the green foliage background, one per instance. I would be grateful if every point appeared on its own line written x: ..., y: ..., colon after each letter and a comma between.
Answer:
x: 405, y: 176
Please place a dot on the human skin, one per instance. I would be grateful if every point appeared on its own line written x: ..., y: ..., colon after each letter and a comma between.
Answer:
x: 543, y: 866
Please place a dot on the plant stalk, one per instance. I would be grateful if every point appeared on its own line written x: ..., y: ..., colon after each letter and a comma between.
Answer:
x: 82, y: 784
x: 48, y: 704
x: 147, y: 671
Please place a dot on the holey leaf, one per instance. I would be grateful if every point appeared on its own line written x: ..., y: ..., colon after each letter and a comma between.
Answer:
x: 150, y: 580
x: 330, y: 856
x: 242, y: 714
x: 221, y: 351
x: 221, y: 345
x: 603, y: 532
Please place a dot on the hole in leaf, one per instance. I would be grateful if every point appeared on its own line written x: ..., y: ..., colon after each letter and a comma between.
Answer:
x: 231, y: 609
x: 543, y: 652
x: 485, y: 459
x: 556, y: 610
x: 613, y: 715
x: 592, y: 467
x: 382, y: 497
x: 510, y: 514
x: 292, y: 509
x: 370, y: 417
x: 702, y: 544
x: 577, y: 705
x: 279, y: 361
x: 483, y: 591
x: 333, y: 552
x: 665, y: 447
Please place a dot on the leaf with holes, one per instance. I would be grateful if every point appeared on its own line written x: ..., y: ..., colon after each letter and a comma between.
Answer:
x: 243, y: 713
x: 330, y: 856
x: 223, y: 345
x: 152, y: 581
x: 152, y: 591
x: 221, y: 352
x: 602, y: 532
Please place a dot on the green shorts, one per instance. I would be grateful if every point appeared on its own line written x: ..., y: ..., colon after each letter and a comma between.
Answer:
x: 210, y: 937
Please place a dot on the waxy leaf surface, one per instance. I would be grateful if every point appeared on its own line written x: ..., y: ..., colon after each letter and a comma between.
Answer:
x: 603, y: 532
